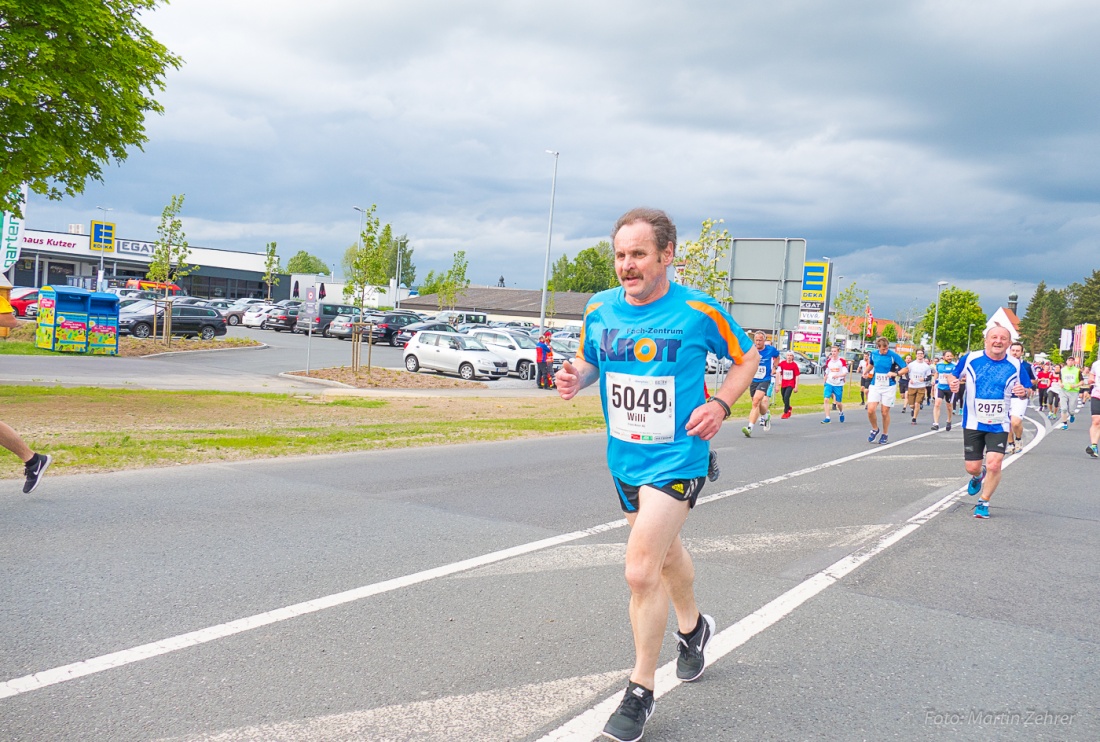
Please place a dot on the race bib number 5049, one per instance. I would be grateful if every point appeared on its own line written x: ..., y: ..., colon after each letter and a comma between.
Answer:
x: 641, y: 409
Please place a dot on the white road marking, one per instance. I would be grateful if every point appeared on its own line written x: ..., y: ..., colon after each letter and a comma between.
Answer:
x: 45, y: 678
x: 588, y: 725
x: 491, y: 715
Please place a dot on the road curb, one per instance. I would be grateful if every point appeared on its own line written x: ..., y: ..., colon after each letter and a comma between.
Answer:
x: 261, y: 346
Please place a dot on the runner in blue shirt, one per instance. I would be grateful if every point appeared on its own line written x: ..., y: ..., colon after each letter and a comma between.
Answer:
x: 883, y: 391
x: 992, y: 379
x: 761, y: 383
x: 1019, y: 406
x: 646, y: 345
x: 944, y: 396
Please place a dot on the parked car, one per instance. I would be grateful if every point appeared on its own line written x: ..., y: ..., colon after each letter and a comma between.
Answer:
x: 451, y: 352
x: 256, y: 316
x: 341, y: 326
x: 188, y: 321
x: 517, y: 348
x: 326, y: 314
x: 32, y: 310
x: 282, y: 318
x: 391, y: 323
x: 409, y: 330
x: 21, y: 298
x: 805, y: 365
x: 235, y: 312
x: 458, y: 318
x: 564, y: 349
x: 714, y: 365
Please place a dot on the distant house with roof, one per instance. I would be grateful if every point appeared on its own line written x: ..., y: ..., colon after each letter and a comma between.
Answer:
x: 1006, y: 318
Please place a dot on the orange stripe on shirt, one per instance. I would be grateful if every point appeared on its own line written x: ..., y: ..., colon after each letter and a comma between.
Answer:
x: 587, y: 311
x: 724, y: 329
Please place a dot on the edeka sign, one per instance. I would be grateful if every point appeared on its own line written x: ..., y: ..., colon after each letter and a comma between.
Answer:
x: 11, y: 233
x: 811, y: 316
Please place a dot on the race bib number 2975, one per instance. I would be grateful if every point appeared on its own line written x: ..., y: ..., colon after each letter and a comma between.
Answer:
x: 641, y: 409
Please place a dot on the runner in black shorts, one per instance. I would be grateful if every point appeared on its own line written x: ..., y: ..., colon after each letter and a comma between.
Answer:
x: 684, y: 490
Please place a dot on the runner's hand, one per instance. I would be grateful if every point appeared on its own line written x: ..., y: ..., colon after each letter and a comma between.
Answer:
x: 706, y: 420
x: 567, y: 380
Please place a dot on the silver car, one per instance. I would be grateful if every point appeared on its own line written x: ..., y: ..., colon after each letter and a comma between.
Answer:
x: 450, y: 352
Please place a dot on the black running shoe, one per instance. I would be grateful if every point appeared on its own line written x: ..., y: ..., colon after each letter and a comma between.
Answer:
x: 34, y: 469
x: 690, y: 663
x: 628, y: 721
x: 713, y: 472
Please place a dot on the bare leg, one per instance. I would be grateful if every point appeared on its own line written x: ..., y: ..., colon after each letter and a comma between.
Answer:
x: 658, y: 569
x: 10, y: 440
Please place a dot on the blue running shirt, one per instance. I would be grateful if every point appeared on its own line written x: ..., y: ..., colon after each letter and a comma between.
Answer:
x: 651, y: 361
x: 989, y: 386
x: 943, y: 369
x: 884, y: 364
x: 764, y: 370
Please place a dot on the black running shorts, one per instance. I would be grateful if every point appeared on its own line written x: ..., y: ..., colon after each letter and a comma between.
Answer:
x: 684, y: 490
x: 759, y: 386
x: 1095, y: 405
x: 977, y: 443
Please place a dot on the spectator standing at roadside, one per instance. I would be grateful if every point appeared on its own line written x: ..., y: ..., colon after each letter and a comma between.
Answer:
x: 1042, y: 383
x: 544, y: 360
x: 34, y: 464
x: 866, y: 373
x: 788, y: 382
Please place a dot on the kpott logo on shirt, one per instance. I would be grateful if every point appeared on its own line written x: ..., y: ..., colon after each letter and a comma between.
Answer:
x: 645, y: 349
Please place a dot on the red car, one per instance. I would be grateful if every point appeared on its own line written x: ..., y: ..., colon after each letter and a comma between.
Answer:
x: 20, y: 298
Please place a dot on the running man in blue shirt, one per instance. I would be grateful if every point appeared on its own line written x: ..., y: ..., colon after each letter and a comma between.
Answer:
x: 646, y: 344
x: 944, y: 395
x: 993, y: 378
x: 761, y: 382
x: 883, y: 391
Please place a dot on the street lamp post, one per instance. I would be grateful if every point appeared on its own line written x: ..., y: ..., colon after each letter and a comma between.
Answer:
x: 549, y: 233
x: 359, y: 243
x: 936, y: 316
x: 825, y: 306
x: 99, y: 279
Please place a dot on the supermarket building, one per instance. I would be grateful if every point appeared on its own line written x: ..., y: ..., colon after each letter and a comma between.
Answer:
x: 70, y: 259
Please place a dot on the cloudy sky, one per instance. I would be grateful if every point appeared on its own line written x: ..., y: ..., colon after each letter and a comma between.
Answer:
x: 911, y: 142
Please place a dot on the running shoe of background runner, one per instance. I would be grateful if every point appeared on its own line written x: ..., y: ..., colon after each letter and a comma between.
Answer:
x: 826, y: 421
x: 1091, y: 451
x: 842, y: 417
x: 871, y: 436
x: 690, y: 663
x: 981, y: 509
x: 713, y: 472
x: 34, y: 469
x: 975, y: 484
x: 747, y: 430
x: 628, y: 721
x: 948, y: 426
x: 935, y: 426
x: 882, y: 441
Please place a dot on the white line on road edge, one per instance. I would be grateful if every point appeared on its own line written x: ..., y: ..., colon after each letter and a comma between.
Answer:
x: 587, y: 725
x: 38, y: 680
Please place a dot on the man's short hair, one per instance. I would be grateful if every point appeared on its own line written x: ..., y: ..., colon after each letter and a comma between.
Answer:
x: 664, y: 231
x: 761, y: 333
x: 1015, y: 343
x: 880, y: 340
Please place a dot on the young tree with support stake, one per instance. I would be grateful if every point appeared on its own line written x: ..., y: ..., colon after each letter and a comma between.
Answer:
x: 366, y: 264
x: 272, y: 269
x: 170, y: 252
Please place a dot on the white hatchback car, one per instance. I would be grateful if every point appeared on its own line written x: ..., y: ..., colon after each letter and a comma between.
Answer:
x: 515, y: 347
x: 450, y: 352
x: 256, y: 316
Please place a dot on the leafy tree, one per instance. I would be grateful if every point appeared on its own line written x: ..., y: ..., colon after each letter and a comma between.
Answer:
x: 76, y: 80
x: 958, y: 309
x: 1086, y: 301
x: 433, y: 285
x: 849, y: 302
x: 561, y: 273
x: 701, y: 260
x: 456, y: 280
x: 303, y: 262
x: 170, y: 251
x: 890, y: 332
x: 272, y: 269
x: 593, y: 270
x: 1030, y: 321
x: 365, y: 264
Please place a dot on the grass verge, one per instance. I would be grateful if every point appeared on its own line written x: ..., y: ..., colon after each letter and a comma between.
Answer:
x: 88, y: 429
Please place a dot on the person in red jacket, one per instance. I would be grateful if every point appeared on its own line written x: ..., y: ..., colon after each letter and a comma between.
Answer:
x: 1043, y: 380
x: 788, y: 382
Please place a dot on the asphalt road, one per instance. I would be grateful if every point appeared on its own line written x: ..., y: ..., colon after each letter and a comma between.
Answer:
x: 475, y: 592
